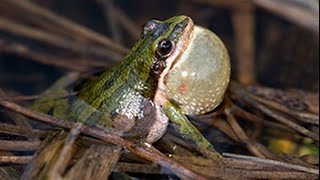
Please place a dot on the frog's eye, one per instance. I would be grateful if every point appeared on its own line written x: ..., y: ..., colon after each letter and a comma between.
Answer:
x: 164, y: 48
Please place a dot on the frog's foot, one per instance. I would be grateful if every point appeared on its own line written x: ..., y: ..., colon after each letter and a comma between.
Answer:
x: 187, y: 129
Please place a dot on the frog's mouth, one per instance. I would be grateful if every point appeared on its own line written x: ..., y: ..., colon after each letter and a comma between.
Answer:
x: 185, y: 29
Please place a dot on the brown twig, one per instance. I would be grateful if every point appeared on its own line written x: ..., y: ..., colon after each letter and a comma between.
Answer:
x: 34, y: 97
x: 298, y: 15
x: 273, y: 163
x: 21, y: 131
x: 239, y: 112
x: 97, y: 162
x: 243, y: 23
x: 222, y: 125
x: 247, y: 97
x: 54, y: 39
x: 22, y: 122
x: 67, y: 24
x: 15, y: 159
x: 246, y: 168
x: 110, y: 137
x: 24, y: 51
x: 65, y: 155
x: 153, y: 155
x: 28, y: 18
x: 301, y: 116
x: 236, y: 161
x: 137, y: 168
x: 113, y: 13
x: 242, y: 135
x: 230, y: 4
x: 127, y: 23
x: 108, y: 8
x: 19, y: 145
x: 281, y: 118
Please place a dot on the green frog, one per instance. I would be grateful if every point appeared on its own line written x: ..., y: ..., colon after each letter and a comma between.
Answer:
x: 174, y: 69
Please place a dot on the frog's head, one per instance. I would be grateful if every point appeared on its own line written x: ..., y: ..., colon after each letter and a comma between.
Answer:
x: 163, y: 41
x: 191, y: 63
x: 160, y: 45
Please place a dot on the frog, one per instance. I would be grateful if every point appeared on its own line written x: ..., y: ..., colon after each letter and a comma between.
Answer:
x: 175, y: 69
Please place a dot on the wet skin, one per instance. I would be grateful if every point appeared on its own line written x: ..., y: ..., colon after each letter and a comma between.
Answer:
x: 175, y: 68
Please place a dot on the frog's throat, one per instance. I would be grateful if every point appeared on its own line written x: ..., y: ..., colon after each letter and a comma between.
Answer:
x: 160, y: 99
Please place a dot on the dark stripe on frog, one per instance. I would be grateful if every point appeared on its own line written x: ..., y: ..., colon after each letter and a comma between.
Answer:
x: 109, y: 79
x: 178, y: 30
x: 109, y: 82
x: 160, y: 64
x: 132, y: 70
x: 137, y: 73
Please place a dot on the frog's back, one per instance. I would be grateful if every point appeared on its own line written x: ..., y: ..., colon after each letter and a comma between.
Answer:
x: 115, y: 99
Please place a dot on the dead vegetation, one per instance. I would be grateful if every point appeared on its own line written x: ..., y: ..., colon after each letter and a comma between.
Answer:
x: 250, y: 119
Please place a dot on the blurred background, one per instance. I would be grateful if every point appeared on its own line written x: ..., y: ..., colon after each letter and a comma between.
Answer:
x: 274, y: 43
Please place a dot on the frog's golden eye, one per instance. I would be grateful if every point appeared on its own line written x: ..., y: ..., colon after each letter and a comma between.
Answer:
x: 164, y: 48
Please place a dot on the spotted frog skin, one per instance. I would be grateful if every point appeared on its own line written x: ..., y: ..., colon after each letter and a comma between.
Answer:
x: 175, y: 68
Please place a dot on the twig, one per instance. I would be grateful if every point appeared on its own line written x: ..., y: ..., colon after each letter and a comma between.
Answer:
x: 24, y: 51
x: 230, y: 4
x: 26, y: 17
x: 243, y: 23
x: 137, y: 168
x: 19, y: 145
x: 97, y: 162
x: 295, y: 14
x: 281, y: 118
x: 111, y: 137
x: 242, y: 135
x: 241, y: 169
x: 245, y: 96
x: 19, y: 120
x: 249, y: 174
x: 108, y: 8
x: 15, y: 159
x: 65, y: 154
x: 67, y: 24
x: 127, y: 23
x: 34, y: 97
x: 153, y: 155
x: 239, y: 112
x: 73, y: 63
x: 54, y: 39
x: 222, y: 125
x: 274, y: 163
x: 251, y: 167
x: 114, y: 13
x: 21, y: 131
x: 301, y: 116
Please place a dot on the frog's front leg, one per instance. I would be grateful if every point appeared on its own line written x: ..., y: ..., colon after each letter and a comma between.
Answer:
x: 188, y: 130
